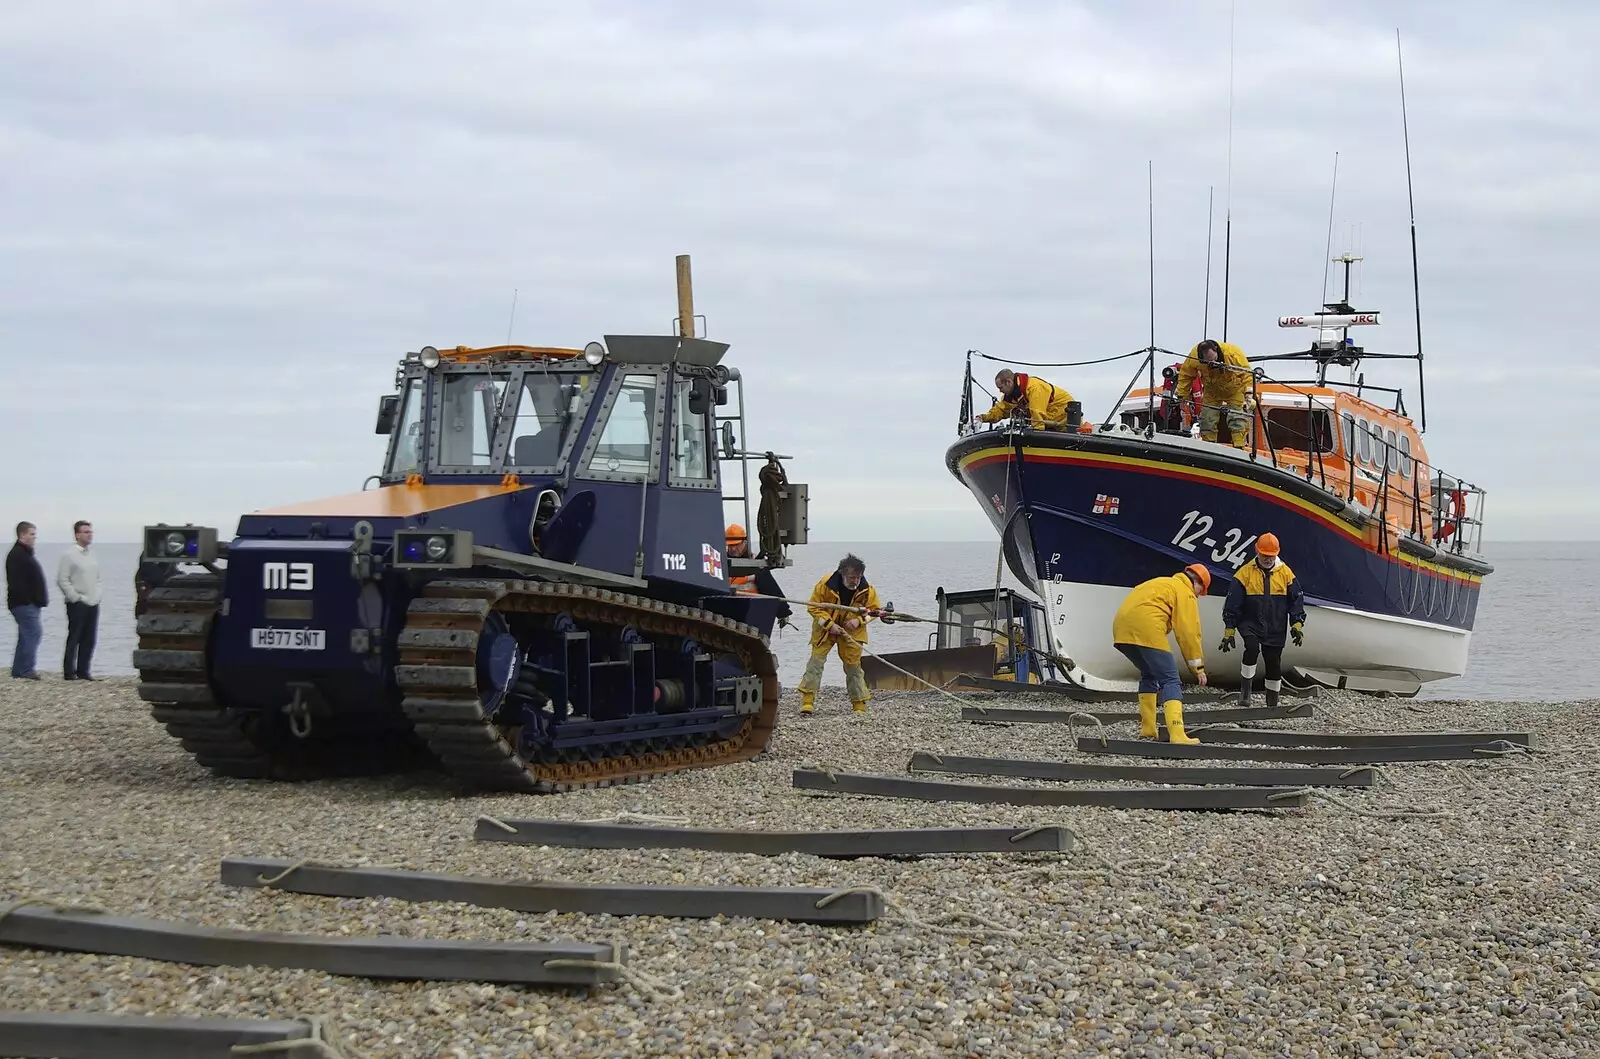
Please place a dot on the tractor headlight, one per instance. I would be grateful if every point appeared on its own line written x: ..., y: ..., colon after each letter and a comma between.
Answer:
x: 593, y: 354
x: 180, y: 544
x: 432, y: 548
x: 429, y: 357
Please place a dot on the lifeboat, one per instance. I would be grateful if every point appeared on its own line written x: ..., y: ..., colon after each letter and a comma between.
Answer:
x: 1386, y: 545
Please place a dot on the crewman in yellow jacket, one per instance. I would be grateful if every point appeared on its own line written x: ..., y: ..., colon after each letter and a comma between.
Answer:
x: 832, y: 628
x: 1044, y: 403
x: 1225, y: 380
x: 1139, y: 630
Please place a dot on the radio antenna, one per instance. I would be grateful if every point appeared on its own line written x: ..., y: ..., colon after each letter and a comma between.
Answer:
x: 1327, y: 254
x: 1422, y: 393
x: 1211, y: 195
x: 513, y: 319
x: 1150, y: 185
x: 1227, y: 239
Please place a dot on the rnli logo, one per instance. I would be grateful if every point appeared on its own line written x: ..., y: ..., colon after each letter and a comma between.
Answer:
x: 295, y: 577
x: 711, y: 561
x: 1105, y: 505
x: 999, y: 505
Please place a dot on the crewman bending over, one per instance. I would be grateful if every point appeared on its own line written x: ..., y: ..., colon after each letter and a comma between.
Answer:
x: 831, y: 628
x: 1139, y: 630
x: 1043, y: 403
x: 1225, y: 384
x: 1264, y: 598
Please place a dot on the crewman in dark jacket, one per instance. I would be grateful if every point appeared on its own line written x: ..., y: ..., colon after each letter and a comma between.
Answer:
x: 26, y: 597
x: 760, y: 583
x: 1264, y: 599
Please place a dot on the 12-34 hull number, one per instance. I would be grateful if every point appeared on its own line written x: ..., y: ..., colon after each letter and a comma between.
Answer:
x: 1193, y: 536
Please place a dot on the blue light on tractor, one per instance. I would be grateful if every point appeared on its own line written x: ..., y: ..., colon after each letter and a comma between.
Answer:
x: 413, y: 549
x: 193, y: 546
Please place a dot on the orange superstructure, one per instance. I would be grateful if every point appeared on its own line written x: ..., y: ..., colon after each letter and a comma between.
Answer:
x: 1368, y: 454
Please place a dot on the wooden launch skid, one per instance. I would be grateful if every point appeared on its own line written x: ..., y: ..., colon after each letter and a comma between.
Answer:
x: 1197, y: 798
x: 1070, y: 771
x: 1304, y: 755
x: 1216, y: 715
x: 425, y: 959
x: 799, y: 904
x: 90, y: 1035
x: 973, y: 682
x: 1357, y: 740
x: 884, y: 843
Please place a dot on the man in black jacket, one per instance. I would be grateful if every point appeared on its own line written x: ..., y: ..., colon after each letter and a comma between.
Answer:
x: 26, y: 596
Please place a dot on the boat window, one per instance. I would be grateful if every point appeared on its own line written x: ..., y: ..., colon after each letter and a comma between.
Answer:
x: 1299, y: 428
x: 467, y: 409
x: 1364, y: 439
x: 624, y: 446
x: 690, y: 458
x: 1405, y: 455
x: 1349, y: 437
x: 1394, y: 454
x: 1378, y: 457
x: 406, y: 456
x: 544, y: 417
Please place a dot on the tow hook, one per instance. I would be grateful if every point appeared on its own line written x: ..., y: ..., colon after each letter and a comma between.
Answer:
x: 299, y: 712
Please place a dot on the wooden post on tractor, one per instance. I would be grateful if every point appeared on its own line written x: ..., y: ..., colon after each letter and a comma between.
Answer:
x: 685, y: 299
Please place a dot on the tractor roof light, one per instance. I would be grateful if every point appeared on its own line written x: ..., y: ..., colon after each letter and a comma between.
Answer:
x: 593, y: 354
x: 429, y: 357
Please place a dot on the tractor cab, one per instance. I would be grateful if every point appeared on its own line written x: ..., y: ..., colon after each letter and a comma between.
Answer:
x: 980, y: 633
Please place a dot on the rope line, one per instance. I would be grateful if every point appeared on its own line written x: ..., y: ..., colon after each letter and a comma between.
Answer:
x: 1070, y: 363
x: 321, y: 1038
x: 649, y: 986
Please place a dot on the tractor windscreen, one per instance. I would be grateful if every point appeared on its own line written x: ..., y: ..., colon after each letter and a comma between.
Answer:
x: 542, y: 419
x: 405, y: 457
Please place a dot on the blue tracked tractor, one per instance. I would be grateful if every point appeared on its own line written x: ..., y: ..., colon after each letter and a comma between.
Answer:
x: 534, y: 591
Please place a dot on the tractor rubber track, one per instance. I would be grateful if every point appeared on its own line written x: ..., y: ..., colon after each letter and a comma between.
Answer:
x: 174, y: 635
x: 437, y: 673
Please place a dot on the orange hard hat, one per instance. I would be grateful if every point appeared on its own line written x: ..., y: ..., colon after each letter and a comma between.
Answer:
x: 1199, y: 570
x: 735, y: 532
x: 1266, y: 544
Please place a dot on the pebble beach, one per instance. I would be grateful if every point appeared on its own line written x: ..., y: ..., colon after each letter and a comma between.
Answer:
x: 1451, y: 910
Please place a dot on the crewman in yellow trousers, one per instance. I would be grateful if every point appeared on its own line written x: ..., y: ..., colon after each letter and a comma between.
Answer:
x: 1139, y: 630
x: 831, y: 628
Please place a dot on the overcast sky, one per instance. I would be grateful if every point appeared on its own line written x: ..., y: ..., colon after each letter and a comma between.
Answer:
x: 224, y: 222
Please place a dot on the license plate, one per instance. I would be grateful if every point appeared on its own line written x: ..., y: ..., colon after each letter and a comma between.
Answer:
x: 287, y: 639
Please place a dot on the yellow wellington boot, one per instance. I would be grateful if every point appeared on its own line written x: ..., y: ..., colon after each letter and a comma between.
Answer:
x: 806, y: 705
x: 1147, y: 715
x: 859, y: 707
x: 1175, y: 732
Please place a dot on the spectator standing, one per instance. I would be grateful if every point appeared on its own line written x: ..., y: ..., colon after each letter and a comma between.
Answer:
x: 78, y: 576
x: 26, y: 596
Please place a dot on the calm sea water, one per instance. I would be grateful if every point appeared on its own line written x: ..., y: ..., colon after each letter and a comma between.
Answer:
x: 1533, y: 622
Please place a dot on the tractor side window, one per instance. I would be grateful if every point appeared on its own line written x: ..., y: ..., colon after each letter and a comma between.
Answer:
x: 543, y: 419
x: 624, y: 446
x: 467, y: 410
x: 690, y: 458
x: 406, y: 456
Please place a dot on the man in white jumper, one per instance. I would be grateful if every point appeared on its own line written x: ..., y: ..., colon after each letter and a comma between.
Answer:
x: 78, y: 576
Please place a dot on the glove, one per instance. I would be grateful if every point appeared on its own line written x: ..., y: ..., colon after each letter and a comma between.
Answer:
x: 1298, y: 633
x: 1228, y: 642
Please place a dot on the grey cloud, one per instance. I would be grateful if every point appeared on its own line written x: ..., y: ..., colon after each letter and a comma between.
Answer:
x: 226, y: 223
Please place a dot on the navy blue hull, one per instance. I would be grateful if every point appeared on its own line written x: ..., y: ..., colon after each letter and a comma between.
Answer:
x: 1085, y: 517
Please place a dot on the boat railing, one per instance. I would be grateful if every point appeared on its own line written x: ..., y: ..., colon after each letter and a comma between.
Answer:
x: 1452, y: 522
